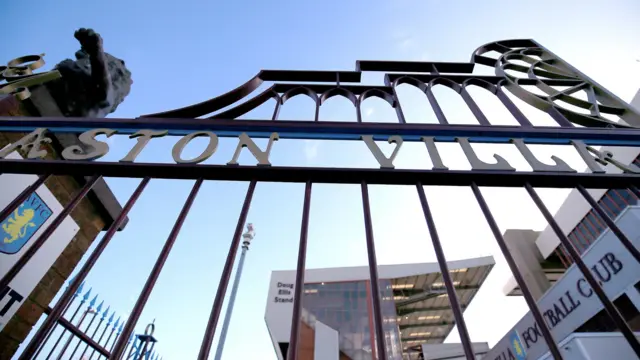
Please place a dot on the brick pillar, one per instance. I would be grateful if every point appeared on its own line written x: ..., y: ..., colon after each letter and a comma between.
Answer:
x: 90, y: 219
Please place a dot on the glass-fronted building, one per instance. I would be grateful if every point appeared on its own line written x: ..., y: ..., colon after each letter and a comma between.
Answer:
x: 346, y: 308
x: 337, y: 315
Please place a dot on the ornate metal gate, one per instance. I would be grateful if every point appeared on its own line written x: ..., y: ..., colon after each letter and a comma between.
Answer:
x: 545, y: 71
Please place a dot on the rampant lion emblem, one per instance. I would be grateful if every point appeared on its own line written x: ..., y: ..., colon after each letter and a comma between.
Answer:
x: 94, y: 84
x: 16, y: 226
x: 518, y: 348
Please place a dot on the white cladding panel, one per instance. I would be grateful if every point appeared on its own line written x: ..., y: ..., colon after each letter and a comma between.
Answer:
x: 595, y: 346
x: 327, y: 345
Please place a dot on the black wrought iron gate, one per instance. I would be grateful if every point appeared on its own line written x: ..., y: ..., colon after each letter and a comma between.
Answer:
x: 545, y: 71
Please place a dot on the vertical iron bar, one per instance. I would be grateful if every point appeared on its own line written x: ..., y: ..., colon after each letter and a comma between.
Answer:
x: 373, y: 273
x: 442, y: 119
x: 531, y: 302
x: 95, y: 313
x: 611, y: 310
x: 46, y: 339
x: 359, y: 109
x: 143, y: 348
x: 396, y: 100
x: 66, y: 345
x: 475, y: 109
x: 298, y: 290
x: 513, y: 109
x: 75, y: 313
x: 398, y: 107
x: 232, y: 300
x: 610, y: 223
x: 33, y: 249
x: 95, y: 331
x: 635, y: 191
x: 316, y: 116
x: 120, y: 345
x: 446, y: 276
x: 147, y: 353
x: 276, y: 110
x: 106, y: 343
x: 67, y: 296
x: 205, y: 347
x: 106, y: 327
x: 133, y: 346
x: 24, y: 195
x: 115, y: 340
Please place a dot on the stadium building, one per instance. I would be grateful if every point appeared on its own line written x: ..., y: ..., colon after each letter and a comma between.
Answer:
x: 554, y: 280
x: 337, y: 317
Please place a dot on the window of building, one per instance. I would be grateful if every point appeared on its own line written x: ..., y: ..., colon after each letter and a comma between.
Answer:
x: 589, y: 223
x: 597, y: 223
x: 343, y: 307
x: 580, y: 239
x: 617, y: 197
x: 608, y: 204
x: 625, y: 197
x: 613, y: 202
x: 564, y: 259
x: 602, y: 323
x: 582, y: 228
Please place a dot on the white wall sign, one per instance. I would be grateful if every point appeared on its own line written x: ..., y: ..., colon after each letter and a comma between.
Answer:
x: 280, y: 305
x: 571, y: 301
x: 18, y: 232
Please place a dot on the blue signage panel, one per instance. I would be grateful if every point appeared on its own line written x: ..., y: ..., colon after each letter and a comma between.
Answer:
x: 20, y: 226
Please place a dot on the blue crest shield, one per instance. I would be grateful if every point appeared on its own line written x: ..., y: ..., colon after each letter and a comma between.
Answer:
x: 18, y: 228
x: 517, y: 347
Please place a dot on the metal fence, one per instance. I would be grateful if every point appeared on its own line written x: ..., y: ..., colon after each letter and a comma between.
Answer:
x: 88, y: 330
x: 545, y: 71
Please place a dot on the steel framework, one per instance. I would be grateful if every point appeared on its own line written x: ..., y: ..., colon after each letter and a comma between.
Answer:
x: 545, y: 71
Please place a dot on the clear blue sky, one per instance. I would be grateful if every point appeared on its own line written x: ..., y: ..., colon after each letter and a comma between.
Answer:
x: 187, y: 51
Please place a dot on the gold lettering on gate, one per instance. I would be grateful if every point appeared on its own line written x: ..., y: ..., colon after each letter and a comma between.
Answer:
x: 94, y: 149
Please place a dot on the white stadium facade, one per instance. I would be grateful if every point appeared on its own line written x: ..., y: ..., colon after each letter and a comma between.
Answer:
x: 337, y: 319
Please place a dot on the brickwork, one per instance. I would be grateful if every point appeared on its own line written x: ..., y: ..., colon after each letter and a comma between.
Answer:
x: 90, y: 222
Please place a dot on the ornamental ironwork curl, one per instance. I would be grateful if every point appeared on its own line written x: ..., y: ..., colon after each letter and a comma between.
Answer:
x: 545, y: 71
x: 18, y: 75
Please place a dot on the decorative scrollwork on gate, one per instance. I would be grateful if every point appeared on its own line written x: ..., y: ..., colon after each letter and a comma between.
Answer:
x: 546, y: 71
x: 543, y: 70
x: 18, y: 75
